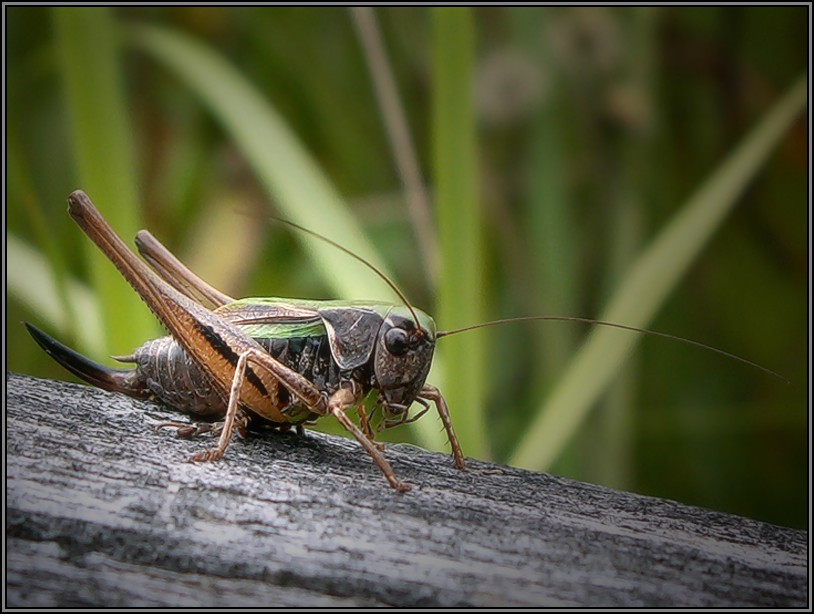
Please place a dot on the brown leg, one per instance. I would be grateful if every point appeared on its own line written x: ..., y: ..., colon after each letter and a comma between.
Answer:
x: 236, y: 417
x: 365, y: 424
x: 431, y: 393
x: 405, y: 419
x: 175, y: 273
x: 360, y: 410
x: 191, y: 430
x: 343, y: 398
x: 231, y: 413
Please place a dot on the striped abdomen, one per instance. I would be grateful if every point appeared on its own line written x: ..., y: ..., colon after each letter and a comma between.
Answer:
x: 173, y: 378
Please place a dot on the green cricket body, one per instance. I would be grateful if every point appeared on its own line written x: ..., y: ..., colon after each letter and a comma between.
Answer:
x: 370, y: 345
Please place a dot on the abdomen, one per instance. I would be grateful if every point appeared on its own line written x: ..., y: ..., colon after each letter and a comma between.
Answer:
x: 173, y: 378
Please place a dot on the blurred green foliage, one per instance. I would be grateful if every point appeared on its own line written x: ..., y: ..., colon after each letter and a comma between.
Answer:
x: 594, y: 127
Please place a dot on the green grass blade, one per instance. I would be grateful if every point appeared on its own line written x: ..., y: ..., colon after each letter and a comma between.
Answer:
x: 30, y: 280
x: 612, y: 431
x: 551, y: 230
x: 26, y: 194
x: 287, y: 171
x: 394, y: 118
x: 86, y: 45
x: 460, y: 290
x: 656, y: 272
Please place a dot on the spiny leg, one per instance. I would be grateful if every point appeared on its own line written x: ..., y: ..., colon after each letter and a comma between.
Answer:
x: 360, y: 410
x: 431, y: 393
x: 174, y: 272
x: 364, y: 422
x: 231, y: 413
x: 344, y: 398
x: 295, y: 383
x: 405, y: 418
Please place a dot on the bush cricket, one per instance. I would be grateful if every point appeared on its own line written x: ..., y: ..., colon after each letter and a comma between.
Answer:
x: 281, y: 361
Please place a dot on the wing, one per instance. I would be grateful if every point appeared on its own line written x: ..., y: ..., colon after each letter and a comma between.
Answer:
x: 266, y: 318
x: 352, y: 326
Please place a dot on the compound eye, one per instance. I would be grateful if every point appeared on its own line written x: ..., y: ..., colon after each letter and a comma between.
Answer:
x: 397, y: 341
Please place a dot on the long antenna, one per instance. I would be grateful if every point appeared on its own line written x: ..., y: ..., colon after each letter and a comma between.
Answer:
x: 384, y: 277
x: 446, y: 333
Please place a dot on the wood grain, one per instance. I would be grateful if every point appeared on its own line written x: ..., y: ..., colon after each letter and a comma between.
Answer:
x: 103, y: 511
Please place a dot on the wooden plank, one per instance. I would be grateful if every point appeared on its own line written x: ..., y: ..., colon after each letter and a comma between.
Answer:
x: 103, y: 511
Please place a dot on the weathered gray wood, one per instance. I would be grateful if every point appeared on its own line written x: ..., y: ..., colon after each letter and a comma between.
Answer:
x: 103, y: 511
